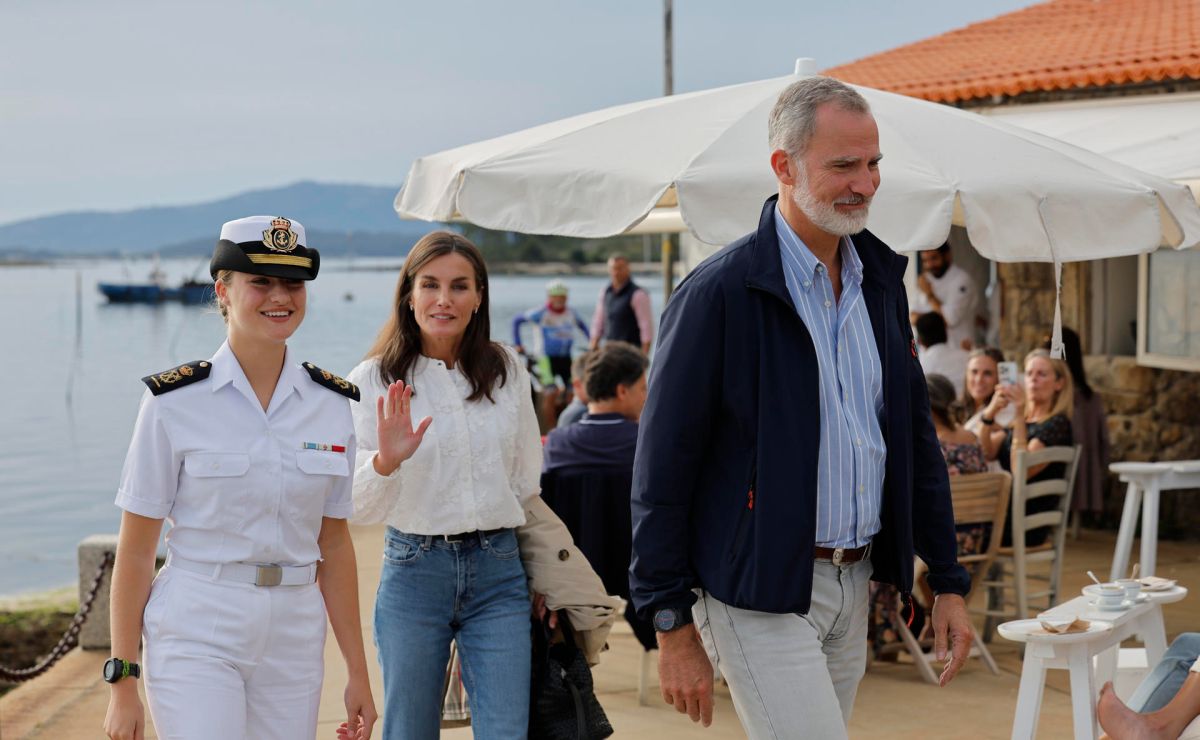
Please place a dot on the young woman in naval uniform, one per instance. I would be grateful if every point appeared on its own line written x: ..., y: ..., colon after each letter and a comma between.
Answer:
x: 249, y: 455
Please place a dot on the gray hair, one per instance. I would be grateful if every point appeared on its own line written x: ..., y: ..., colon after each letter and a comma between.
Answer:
x: 793, y: 119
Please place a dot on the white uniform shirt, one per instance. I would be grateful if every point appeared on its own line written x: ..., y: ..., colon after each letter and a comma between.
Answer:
x: 478, y: 463
x: 236, y: 483
x: 959, y: 296
x: 946, y: 359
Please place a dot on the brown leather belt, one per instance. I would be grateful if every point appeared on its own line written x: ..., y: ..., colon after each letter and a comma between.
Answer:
x: 842, y: 555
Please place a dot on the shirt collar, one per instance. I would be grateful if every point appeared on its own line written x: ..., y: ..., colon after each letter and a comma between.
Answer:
x: 795, y: 250
x: 226, y: 369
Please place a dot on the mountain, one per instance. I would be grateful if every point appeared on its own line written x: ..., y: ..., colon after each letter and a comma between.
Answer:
x: 335, y: 216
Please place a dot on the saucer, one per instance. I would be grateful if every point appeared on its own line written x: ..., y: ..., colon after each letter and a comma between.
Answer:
x: 1113, y: 608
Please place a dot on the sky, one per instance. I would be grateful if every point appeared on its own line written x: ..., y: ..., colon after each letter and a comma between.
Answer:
x: 132, y: 103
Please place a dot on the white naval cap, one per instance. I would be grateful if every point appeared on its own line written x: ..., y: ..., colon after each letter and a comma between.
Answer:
x: 265, y: 245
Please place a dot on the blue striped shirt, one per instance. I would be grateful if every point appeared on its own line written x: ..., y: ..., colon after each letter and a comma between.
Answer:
x: 851, y: 460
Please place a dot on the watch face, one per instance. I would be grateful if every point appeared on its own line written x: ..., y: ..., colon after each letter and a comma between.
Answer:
x: 112, y: 670
x: 666, y: 620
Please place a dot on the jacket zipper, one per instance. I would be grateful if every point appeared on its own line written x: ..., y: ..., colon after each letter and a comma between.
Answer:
x: 739, y: 534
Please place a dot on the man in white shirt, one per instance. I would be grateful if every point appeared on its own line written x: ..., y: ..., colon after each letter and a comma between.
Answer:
x: 937, y: 355
x: 947, y: 289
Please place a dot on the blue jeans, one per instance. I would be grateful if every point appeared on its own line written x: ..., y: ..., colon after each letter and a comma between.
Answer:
x: 475, y: 592
x: 1164, y: 681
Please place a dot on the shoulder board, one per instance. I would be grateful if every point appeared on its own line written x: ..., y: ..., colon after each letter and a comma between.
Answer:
x: 332, y: 382
x: 178, y: 377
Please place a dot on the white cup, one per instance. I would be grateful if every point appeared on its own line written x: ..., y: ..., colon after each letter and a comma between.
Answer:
x: 1132, y: 587
x: 1110, y: 595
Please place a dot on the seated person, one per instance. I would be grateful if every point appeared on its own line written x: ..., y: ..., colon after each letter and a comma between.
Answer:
x: 1164, y: 704
x: 960, y: 448
x: 586, y: 462
x: 937, y: 355
x: 962, y: 454
x: 578, y: 405
x: 1044, y: 403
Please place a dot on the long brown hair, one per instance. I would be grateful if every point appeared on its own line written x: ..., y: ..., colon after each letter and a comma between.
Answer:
x: 399, y: 342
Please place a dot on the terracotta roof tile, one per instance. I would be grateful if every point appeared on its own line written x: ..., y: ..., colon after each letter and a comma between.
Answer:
x: 1055, y: 45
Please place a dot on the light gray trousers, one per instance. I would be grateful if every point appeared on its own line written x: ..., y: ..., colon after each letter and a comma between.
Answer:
x: 794, y: 675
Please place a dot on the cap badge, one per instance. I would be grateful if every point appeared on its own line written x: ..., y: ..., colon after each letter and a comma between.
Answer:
x: 280, y: 237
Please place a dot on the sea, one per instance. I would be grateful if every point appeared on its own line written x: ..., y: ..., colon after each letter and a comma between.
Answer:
x: 70, y: 381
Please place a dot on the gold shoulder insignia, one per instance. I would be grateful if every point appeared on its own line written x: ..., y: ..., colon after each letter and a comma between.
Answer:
x: 332, y: 382
x: 178, y: 377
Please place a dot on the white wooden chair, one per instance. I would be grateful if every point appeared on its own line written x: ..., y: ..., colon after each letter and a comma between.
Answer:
x: 982, y: 500
x: 1012, y: 574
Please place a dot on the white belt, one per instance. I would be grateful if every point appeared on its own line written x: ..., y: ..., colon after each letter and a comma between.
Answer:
x: 258, y: 574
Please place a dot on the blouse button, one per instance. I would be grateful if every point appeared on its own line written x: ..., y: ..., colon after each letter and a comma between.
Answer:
x: 214, y: 466
x: 563, y: 554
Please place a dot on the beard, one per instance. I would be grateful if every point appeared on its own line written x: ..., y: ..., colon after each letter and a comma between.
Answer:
x: 825, y: 216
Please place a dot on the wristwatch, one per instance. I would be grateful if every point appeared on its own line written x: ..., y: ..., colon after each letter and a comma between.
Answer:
x: 986, y: 421
x: 670, y: 618
x: 115, y: 669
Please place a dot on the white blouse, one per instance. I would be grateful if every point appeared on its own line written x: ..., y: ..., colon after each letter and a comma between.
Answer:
x: 478, y: 463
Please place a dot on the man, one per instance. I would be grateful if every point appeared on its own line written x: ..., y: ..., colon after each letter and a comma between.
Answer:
x: 937, y: 355
x: 947, y: 289
x: 589, y: 464
x: 623, y: 310
x: 578, y: 405
x: 554, y: 330
x: 786, y: 453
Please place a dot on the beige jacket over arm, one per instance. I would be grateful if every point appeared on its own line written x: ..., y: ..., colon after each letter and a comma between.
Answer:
x: 560, y: 571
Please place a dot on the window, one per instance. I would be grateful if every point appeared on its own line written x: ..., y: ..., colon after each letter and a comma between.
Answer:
x: 1169, y: 309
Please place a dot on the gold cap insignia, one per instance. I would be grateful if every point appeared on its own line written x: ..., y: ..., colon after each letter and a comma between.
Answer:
x: 280, y: 237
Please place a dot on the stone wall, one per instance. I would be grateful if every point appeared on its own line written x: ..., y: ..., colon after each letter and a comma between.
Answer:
x: 1153, y: 415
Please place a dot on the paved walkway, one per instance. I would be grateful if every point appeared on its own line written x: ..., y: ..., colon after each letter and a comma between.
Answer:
x: 69, y: 702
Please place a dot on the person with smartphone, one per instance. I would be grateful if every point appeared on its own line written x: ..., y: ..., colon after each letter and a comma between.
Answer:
x: 1043, y: 405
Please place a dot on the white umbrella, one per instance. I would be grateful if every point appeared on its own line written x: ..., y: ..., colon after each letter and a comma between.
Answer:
x: 1020, y: 195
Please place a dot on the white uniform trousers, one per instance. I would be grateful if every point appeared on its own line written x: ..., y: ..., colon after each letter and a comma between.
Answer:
x: 232, y: 660
x: 794, y: 675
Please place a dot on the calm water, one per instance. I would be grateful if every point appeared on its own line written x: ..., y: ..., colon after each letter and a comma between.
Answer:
x: 70, y: 384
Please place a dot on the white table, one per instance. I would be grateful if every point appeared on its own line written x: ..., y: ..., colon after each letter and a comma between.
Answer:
x: 1145, y: 481
x: 1075, y: 652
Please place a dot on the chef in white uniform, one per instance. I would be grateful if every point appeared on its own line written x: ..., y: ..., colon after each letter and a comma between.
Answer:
x: 249, y: 456
x: 945, y: 288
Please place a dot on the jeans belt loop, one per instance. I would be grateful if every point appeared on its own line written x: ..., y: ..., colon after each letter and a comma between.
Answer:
x: 427, y: 543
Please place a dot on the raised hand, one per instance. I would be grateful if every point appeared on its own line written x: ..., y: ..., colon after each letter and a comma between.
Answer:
x: 398, y: 440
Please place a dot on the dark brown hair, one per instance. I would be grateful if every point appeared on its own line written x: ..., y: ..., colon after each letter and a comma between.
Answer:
x: 399, y: 342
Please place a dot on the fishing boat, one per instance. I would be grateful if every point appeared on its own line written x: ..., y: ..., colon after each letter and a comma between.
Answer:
x: 156, y: 290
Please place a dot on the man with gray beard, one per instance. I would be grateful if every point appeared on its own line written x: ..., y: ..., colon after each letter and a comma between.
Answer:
x: 786, y: 453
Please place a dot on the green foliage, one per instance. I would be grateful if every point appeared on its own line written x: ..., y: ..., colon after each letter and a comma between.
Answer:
x: 508, y: 246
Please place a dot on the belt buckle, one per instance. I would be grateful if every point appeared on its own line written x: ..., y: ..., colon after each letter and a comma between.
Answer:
x: 268, y: 575
x: 838, y: 553
x: 460, y: 537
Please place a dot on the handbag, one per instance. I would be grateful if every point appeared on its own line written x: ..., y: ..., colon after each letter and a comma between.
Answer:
x: 456, y: 710
x: 562, y: 703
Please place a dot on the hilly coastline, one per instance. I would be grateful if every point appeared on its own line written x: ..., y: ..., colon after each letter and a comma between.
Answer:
x: 339, y: 219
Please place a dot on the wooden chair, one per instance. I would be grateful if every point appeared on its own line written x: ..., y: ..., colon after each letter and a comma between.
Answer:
x: 1013, y: 572
x: 980, y: 500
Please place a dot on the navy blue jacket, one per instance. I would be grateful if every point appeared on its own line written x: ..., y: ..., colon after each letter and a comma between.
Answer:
x: 725, y: 477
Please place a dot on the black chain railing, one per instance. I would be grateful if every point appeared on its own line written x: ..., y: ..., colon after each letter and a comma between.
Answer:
x: 70, y: 638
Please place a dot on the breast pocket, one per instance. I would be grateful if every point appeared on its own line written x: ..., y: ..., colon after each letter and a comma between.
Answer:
x: 320, y: 473
x: 217, y: 493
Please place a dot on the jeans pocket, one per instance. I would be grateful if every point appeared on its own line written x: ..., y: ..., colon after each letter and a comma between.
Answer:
x: 398, y: 551
x: 503, y: 545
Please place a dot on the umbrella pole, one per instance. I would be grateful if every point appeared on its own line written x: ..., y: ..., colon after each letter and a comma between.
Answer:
x: 668, y: 265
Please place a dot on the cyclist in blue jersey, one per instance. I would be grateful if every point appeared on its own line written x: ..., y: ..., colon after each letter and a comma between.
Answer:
x: 554, y: 333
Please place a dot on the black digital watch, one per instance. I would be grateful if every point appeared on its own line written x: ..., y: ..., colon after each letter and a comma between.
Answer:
x: 115, y: 669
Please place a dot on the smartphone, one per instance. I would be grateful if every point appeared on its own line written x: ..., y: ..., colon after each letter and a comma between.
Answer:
x: 1008, y: 373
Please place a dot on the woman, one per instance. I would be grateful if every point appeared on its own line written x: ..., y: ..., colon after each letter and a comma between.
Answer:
x: 1046, y: 403
x: 963, y: 456
x: 249, y: 455
x: 1089, y: 425
x: 979, y: 388
x: 451, y: 490
x: 960, y: 447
